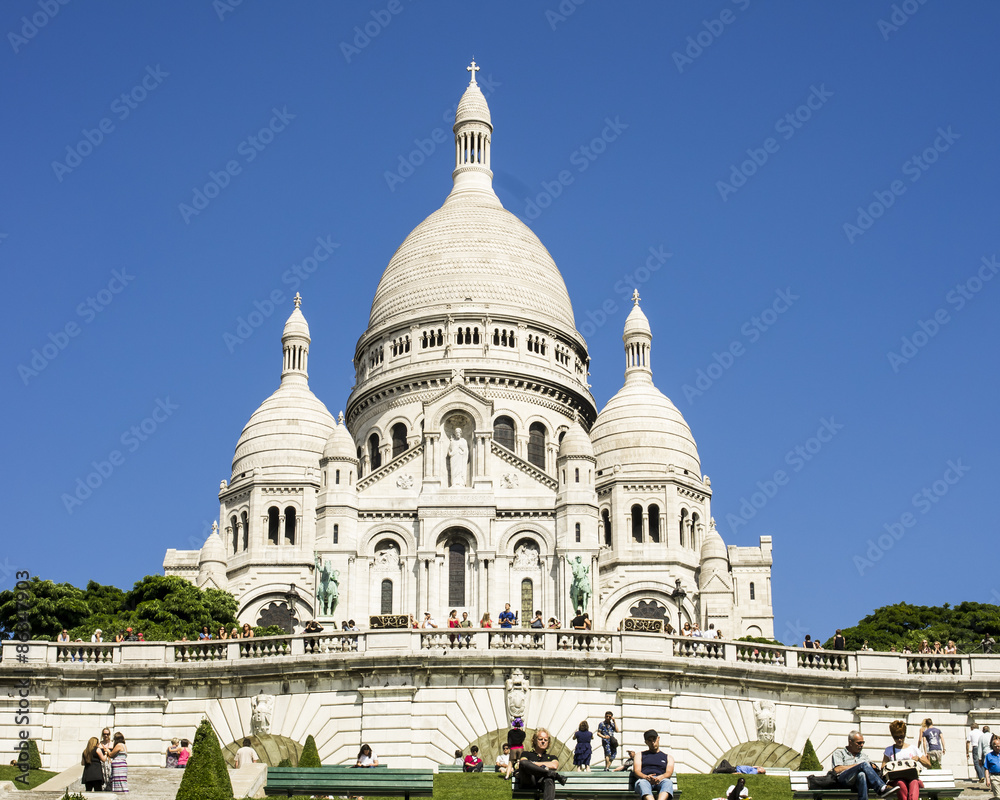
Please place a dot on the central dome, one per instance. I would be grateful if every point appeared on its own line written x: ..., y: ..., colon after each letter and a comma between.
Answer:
x: 473, y: 250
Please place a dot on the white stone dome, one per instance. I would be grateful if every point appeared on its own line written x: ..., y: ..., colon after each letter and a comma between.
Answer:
x: 296, y: 325
x: 341, y: 445
x: 636, y: 323
x: 290, y: 429
x: 473, y: 107
x: 642, y: 431
x: 576, y: 443
x: 472, y: 251
x: 213, y: 550
x: 713, y: 546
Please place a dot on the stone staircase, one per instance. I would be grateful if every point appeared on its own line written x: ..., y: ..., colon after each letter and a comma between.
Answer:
x: 144, y: 783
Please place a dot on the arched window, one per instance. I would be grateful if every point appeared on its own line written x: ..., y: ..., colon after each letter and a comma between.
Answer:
x: 637, y: 523
x: 336, y: 534
x: 577, y: 470
x: 374, y: 454
x: 536, y: 445
x: 361, y: 467
x: 503, y: 432
x: 289, y: 525
x: 654, y: 523
x: 234, y: 525
x: 245, y: 519
x: 606, y: 521
x: 527, y: 601
x: 456, y: 574
x: 337, y: 478
x: 683, y: 524
x: 578, y: 531
x: 273, y: 525
x: 399, y: 445
x: 387, y: 596
x: 752, y: 592
x: 694, y: 530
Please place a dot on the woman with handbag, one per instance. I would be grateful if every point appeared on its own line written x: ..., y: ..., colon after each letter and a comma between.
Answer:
x: 904, y: 775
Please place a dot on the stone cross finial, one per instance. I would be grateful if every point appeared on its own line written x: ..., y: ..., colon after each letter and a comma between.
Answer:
x: 215, y: 527
x: 635, y: 296
x: 298, y: 300
x: 473, y: 69
x: 340, y: 417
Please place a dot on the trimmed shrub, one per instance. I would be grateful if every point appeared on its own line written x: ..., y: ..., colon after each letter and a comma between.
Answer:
x: 34, y: 758
x: 310, y: 755
x: 809, y: 760
x: 285, y: 763
x: 206, y: 776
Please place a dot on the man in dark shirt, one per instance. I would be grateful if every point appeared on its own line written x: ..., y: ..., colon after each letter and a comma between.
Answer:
x: 538, y: 767
x: 579, y: 622
x: 839, y: 642
x: 652, y: 770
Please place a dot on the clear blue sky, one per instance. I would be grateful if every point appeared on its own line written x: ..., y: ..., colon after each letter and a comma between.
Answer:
x: 832, y: 105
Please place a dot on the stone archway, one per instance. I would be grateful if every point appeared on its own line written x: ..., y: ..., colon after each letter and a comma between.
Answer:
x: 271, y: 749
x: 489, y: 746
x: 762, y: 754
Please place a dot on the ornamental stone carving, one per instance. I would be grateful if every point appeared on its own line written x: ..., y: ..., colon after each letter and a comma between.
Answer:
x: 405, y: 481
x: 526, y: 557
x: 764, y: 712
x: 516, y: 687
x: 387, y: 558
x: 261, y: 709
x: 509, y: 480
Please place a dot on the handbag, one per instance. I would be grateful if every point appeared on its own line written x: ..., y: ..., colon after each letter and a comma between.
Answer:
x: 903, y: 769
x: 827, y: 781
x: 613, y: 742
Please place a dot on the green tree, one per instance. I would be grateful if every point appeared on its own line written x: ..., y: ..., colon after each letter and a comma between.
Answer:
x: 310, y: 755
x: 206, y: 776
x: 906, y: 625
x: 43, y: 609
x: 809, y: 760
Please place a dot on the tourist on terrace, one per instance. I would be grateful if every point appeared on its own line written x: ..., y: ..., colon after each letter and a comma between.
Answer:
x: 539, y: 767
x: 245, y: 756
x: 205, y: 634
x: 93, y: 771
x: 899, y: 749
x: 938, y: 650
x: 503, y: 761
x: 987, y: 644
x: 366, y: 758
x: 538, y: 622
x: 925, y: 648
x: 653, y: 769
x: 64, y: 636
x: 247, y: 631
x: 686, y: 630
x: 312, y: 626
x: 428, y: 621
x: 950, y: 649
x: 221, y: 633
x: 507, y: 618
x: 486, y: 622
x: 853, y: 769
x: 807, y: 642
x: 839, y: 642
x: 579, y: 622
x: 607, y: 731
x: 98, y: 637
x: 992, y: 766
x: 584, y: 747
x: 553, y: 623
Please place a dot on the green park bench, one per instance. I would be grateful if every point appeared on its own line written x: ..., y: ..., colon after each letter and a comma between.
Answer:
x: 938, y: 783
x: 345, y: 780
x: 589, y: 784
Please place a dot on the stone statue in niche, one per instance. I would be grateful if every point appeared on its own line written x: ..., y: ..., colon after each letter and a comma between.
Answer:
x: 458, y: 459
x: 580, y: 590
x: 525, y: 557
x: 328, y: 588
x: 517, y: 694
x: 261, y: 709
x: 764, y: 712
x: 387, y: 557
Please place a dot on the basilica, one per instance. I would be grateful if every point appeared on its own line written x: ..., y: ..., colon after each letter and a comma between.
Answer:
x: 472, y: 468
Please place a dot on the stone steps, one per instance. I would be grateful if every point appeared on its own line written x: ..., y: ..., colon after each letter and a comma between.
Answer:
x: 144, y: 783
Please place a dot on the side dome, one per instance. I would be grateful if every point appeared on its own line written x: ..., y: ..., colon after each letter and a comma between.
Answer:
x: 472, y: 251
x: 576, y: 443
x: 290, y: 429
x: 340, y: 445
x: 641, y: 430
x: 713, y: 546
x: 213, y: 551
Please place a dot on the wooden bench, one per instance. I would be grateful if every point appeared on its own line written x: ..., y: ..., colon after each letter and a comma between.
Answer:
x: 937, y: 783
x: 589, y: 784
x: 344, y: 780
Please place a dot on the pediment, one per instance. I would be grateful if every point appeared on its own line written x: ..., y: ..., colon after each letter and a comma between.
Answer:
x: 458, y: 397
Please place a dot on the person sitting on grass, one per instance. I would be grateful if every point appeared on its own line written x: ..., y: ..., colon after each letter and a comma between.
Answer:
x: 653, y: 769
x: 472, y: 762
x: 503, y: 761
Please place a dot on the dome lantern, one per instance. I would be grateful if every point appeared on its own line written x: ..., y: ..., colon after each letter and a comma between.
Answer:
x: 473, y: 134
x: 638, y: 339
x: 295, y: 346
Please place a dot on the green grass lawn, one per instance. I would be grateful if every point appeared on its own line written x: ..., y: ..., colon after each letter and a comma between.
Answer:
x: 489, y: 786
x: 35, y: 777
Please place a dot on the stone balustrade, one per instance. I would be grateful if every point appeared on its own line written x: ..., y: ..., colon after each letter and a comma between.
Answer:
x: 629, y: 644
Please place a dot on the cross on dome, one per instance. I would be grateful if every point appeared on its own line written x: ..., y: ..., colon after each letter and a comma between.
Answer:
x: 635, y: 296
x: 298, y: 300
x: 473, y: 69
